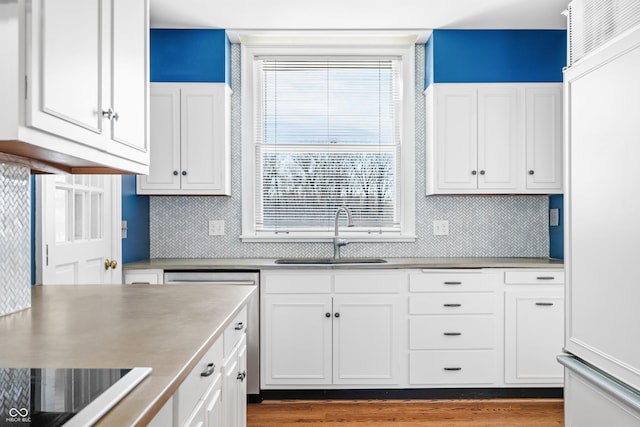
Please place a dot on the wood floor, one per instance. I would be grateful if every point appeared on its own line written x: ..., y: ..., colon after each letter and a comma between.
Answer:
x: 407, y: 413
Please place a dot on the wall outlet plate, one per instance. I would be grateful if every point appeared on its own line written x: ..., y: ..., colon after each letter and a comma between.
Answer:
x: 440, y: 227
x: 554, y: 217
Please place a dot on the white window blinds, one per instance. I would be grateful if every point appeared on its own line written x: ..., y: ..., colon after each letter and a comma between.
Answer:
x: 327, y: 135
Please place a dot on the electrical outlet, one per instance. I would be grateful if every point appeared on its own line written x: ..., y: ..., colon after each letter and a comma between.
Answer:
x: 216, y: 227
x: 124, y: 229
x: 440, y: 227
x: 554, y: 217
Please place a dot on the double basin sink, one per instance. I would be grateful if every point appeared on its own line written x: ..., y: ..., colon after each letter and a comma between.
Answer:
x: 330, y: 261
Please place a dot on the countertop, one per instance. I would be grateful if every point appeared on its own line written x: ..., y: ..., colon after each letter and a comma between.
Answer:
x: 264, y: 263
x: 167, y: 328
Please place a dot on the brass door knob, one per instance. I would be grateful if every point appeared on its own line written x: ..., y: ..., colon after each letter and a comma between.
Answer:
x: 110, y: 264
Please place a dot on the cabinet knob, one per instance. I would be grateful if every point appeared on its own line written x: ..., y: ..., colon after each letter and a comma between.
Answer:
x: 531, y: 172
x: 474, y: 172
x: 327, y: 315
x: 241, y: 376
x: 239, y: 326
x: 184, y: 173
x: 337, y: 314
x: 175, y: 173
x: 115, y: 117
x: 108, y: 114
x: 482, y: 172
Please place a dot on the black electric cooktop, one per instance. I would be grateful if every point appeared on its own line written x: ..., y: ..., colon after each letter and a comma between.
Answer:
x: 55, y: 397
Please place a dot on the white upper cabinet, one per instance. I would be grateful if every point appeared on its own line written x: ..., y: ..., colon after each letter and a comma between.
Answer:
x: 190, y: 132
x: 494, y: 138
x: 81, y: 71
x: 543, y: 106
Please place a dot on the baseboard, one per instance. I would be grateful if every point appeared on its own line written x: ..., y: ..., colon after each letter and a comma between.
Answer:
x: 416, y: 393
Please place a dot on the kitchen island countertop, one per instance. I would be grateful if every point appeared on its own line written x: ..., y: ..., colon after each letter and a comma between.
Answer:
x: 167, y: 328
x: 264, y: 263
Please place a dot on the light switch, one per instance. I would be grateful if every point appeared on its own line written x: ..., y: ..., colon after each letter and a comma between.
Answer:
x: 216, y: 227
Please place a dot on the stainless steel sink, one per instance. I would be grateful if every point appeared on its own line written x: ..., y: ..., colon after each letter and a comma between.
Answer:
x: 330, y: 261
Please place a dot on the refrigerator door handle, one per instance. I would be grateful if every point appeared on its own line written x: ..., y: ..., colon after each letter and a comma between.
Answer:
x: 600, y: 380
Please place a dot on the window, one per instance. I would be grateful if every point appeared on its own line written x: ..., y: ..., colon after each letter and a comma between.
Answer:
x: 327, y: 130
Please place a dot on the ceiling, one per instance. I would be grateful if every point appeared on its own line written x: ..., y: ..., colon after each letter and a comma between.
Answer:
x: 358, y: 14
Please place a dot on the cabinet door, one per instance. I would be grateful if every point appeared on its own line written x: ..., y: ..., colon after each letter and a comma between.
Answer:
x: 297, y: 339
x: 366, y: 339
x: 499, y: 139
x: 456, y: 137
x: 242, y: 384
x: 164, y: 119
x: 68, y: 69
x: 202, y: 150
x: 544, y: 137
x: 534, y: 336
x: 129, y: 77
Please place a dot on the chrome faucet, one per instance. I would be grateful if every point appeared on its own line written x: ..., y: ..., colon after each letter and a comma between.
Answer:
x: 337, y: 241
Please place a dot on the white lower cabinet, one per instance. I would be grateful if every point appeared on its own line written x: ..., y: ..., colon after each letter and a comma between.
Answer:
x: 143, y: 277
x: 454, y: 328
x: 326, y: 329
x: 214, y: 393
x: 534, y: 327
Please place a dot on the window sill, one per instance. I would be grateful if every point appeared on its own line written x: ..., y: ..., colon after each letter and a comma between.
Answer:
x: 293, y: 238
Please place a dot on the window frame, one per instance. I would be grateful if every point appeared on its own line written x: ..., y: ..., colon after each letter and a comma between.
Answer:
x: 403, y: 50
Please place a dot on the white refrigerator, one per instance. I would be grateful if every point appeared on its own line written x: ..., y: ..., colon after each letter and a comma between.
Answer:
x: 602, y: 235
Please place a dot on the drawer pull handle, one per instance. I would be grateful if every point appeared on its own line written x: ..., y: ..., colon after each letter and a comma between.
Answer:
x: 453, y: 283
x: 452, y: 334
x: 140, y: 283
x: 241, y: 376
x: 545, y: 277
x: 239, y: 327
x: 207, y: 372
x: 453, y: 305
x: 544, y: 304
x: 453, y: 369
x: 327, y: 315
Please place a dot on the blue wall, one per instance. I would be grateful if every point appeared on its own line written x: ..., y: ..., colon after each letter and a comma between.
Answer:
x: 190, y: 55
x: 135, y: 210
x: 484, y: 56
x: 488, y: 56
x: 556, y: 234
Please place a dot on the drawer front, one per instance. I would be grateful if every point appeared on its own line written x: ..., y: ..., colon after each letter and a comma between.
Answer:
x: 234, y: 331
x: 534, y: 277
x: 452, y: 332
x: 452, y: 367
x: 150, y: 277
x: 195, y: 385
x: 370, y: 282
x: 452, y: 303
x: 453, y: 282
x: 308, y: 283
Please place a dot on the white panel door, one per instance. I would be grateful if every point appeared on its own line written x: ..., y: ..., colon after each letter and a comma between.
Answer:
x: 200, y: 153
x: 297, y: 347
x: 544, y: 137
x: 366, y: 339
x: 79, y: 229
x: 456, y: 137
x: 164, y: 118
x: 68, y: 69
x: 129, y: 79
x: 603, y: 209
x: 499, y: 139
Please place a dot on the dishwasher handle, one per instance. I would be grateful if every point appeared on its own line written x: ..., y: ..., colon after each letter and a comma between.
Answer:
x: 211, y: 282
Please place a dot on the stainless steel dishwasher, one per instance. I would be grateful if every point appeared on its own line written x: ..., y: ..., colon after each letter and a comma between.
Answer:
x: 234, y: 278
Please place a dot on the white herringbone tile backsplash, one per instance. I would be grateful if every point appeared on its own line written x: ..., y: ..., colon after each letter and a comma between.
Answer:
x: 480, y: 226
x: 15, y: 238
